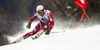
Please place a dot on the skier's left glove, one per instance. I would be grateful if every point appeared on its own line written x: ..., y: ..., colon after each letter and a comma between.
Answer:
x: 47, y: 32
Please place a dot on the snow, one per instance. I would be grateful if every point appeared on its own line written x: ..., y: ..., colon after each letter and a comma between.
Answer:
x: 78, y: 39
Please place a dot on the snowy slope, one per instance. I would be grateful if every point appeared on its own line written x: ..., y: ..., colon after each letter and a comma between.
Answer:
x: 79, y: 39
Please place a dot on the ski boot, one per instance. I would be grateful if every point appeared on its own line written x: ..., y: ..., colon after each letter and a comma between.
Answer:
x: 47, y: 32
x: 38, y: 34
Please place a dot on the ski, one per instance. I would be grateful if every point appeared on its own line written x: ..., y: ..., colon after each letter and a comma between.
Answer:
x: 33, y: 38
x: 17, y: 40
x: 39, y: 34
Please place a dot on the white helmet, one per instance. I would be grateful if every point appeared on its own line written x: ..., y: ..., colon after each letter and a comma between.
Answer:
x: 39, y: 7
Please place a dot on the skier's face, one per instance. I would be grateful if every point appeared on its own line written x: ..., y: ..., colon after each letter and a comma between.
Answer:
x: 41, y: 12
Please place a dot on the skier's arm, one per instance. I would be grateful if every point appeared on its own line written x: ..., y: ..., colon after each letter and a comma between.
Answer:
x: 32, y: 18
x: 30, y: 21
x: 51, y: 21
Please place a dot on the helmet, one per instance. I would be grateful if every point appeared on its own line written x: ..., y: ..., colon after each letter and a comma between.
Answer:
x: 39, y: 7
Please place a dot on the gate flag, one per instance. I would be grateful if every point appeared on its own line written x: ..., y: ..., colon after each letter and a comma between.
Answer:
x: 83, y: 5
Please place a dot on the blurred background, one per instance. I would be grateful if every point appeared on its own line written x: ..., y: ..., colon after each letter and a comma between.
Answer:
x: 14, y: 12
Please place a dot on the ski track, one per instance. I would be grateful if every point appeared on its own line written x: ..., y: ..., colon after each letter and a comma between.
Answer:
x: 79, y: 39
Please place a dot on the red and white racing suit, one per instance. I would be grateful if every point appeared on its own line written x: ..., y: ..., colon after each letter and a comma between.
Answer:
x: 46, y: 22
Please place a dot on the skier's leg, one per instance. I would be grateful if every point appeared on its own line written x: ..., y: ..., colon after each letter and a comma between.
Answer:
x: 36, y: 29
x: 39, y: 33
x: 45, y: 27
x: 48, y: 27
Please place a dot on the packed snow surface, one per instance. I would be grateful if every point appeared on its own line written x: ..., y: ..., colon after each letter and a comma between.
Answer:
x: 78, y: 39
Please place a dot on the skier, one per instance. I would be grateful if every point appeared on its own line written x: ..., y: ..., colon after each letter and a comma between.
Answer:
x: 46, y: 23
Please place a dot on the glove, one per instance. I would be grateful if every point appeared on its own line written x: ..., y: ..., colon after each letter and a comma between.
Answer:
x: 28, y: 26
x: 47, y: 32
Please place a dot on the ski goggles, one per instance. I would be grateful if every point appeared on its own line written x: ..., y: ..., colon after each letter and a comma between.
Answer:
x: 40, y: 11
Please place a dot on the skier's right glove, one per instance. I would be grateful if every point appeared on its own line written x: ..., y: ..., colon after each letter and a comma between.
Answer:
x: 47, y: 32
x: 28, y: 26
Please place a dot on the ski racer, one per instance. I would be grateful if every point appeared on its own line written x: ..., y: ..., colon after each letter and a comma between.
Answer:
x: 46, y: 23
